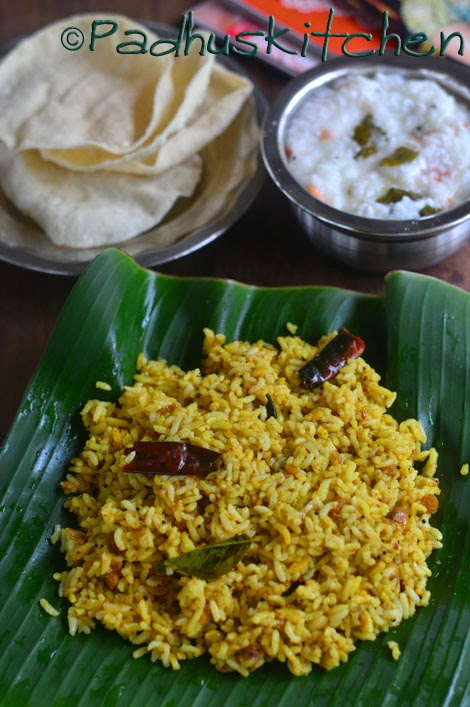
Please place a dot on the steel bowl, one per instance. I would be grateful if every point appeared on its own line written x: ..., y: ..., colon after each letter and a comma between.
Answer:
x: 376, y: 245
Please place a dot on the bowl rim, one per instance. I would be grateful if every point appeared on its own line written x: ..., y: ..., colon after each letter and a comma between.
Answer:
x: 451, y: 75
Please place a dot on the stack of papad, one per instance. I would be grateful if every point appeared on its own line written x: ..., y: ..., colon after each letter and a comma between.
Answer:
x: 98, y: 146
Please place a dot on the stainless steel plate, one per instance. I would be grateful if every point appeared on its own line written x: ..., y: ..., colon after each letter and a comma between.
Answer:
x: 24, y: 243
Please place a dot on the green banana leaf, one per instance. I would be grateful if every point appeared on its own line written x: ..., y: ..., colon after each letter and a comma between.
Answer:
x: 417, y: 336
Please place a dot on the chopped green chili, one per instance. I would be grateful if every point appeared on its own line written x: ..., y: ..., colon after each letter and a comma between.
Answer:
x: 363, y: 131
x: 366, y: 151
x: 394, y: 194
x: 363, y: 134
x: 429, y: 210
x: 399, y: 156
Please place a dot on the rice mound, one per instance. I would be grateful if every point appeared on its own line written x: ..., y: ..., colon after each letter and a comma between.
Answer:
x: 328, y: 491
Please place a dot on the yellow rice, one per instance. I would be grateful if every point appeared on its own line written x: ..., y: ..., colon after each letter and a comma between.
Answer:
x: 48, y: 608
x: 395, y: 648
x: 328, y: 491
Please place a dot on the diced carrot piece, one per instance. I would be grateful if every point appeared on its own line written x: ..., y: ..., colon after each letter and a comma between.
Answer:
x: 439, y: 174
x: 315, y: 192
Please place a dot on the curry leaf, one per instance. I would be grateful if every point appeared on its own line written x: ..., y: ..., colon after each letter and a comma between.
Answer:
x: 270, y: 407
x: 209, y: 561
x: 394, y: 194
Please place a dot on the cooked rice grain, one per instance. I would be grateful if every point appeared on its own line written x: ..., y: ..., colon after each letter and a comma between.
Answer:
x: 329, y: 492
x: 48, y: 608
x: 395, y: 648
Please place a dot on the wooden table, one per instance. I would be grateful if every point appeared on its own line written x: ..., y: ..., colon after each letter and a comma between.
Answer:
x: 265, y: 248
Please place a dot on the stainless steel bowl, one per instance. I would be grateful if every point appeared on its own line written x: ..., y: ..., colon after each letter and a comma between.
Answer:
x: 370, y: 244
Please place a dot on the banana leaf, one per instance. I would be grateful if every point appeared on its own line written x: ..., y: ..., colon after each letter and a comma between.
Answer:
x: 417, y: 336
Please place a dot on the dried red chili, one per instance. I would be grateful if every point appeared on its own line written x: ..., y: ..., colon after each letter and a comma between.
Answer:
x: 327, y: 364
x: 179, y: 458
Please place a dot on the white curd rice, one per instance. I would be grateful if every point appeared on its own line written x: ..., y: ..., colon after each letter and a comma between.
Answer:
x: 382, y: 146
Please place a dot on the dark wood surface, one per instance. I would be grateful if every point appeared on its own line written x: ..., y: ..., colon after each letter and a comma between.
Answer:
x: 265, y: 248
